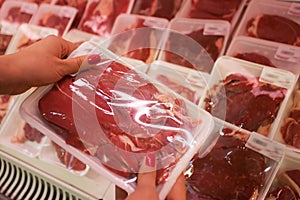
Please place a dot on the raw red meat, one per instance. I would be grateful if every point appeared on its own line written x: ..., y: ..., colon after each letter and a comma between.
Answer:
x: 282, y: 193
x: 68, y: 159
x: 275, y: 28
x: 100, y: 15
x: 157, y: 8
x: 4, y: 102
x: 54, y: 21
x: 212, y: 44
x: 214, y: 9
x: 15, y: 15
x: 78, y: 4
x: 255, y: 57
x: 229, y: 171
x: 39, y: 1
x: 135, y: 44
x: 245, y: 102
x: 134, y: 124
x: 290, y: 129
x: 4, y: 42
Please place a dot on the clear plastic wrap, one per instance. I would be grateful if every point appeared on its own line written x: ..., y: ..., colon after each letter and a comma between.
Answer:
x: 248, y: 95
x: 240, y: 165
x: 111, y: 117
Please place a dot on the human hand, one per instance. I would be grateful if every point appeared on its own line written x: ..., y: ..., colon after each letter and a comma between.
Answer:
x: 39, y: 64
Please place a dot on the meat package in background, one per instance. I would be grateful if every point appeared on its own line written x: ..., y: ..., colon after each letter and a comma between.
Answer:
x: 4, y: 42
x: 100, y: 15
x: 290, y: 129
x: 137, y: 37
x: 255, y: 57
x: 193, y: 44
x: 231, y: 170
x: 27, y: 133
x: 213, y: 9
x: 55, y: 16
x: 274, y: 28
x: 78, y: 4
x: 117, y: 116
x: 5, y: 100
x: 157, y: 8
x: 18, y: 12
x: 28, y: 34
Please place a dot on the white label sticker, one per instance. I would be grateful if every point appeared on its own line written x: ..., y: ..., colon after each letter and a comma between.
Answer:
x: 276, y: 77
x: 265, y: 146
x: 215, y: 29
x: 288, y: 53
x: 294, y: 9
x: 28, y: 8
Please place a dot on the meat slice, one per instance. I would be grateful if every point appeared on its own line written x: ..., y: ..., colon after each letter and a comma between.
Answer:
x: 229, y: 171
x: 214, y: 9
x: 157, y: 8
x: 27, y: 133
x: 15, y: 15
x: 4, y: 42
x: 4, y: 103
x: 53, y: 20
x: 275, y: 28
x: 255, y: 57
x: 245, y: 102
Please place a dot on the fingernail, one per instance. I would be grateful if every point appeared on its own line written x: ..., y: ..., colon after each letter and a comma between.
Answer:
x: 94, y: 59
x: 150, y: 160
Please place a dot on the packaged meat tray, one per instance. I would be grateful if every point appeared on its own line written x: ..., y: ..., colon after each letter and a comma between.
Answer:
x: 229, y: 10
x: 186, y: 82
x: 265, y: 52
x: 286, y: 185
x: 99, y: 15
x: 18, y: 12
x: 158, y: 8
x: 75, y: 35
x: 6, y: 34
x: 195, y: 43
x: 275, y: 21
x: 55, y: 155
x: 55, y: 16
x: 6, y: 103
x: 289, y: 126
x: 249, y: 95
x: 113, y: 121
x: 137, y: 37
x: 240, y: 165
x: 18, y: 135
x: 28, y: 34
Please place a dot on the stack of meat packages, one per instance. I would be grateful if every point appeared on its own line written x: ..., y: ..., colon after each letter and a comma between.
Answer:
x: 199, y: 32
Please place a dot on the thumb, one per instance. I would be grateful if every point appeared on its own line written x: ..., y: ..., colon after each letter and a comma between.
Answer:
x: 147, y: 172
x: 71, y: 65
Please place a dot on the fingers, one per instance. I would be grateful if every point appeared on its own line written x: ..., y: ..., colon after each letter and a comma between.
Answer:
x: 67, y: 47
x: 71, y: 65
x: 178, y: 190
x: 147, y: 175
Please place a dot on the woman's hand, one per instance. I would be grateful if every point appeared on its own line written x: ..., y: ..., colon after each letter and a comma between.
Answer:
x: 39, y: 64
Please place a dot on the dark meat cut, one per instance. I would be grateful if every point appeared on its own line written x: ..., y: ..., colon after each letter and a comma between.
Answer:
x: 27, y: 133
x: 15, y: 15
x: 211, y: 44
x: 256, y: 58
x: 275, y: 28
x: 136, y: 44
x: 229, y: 171
x: 100, y: 15
x: 78, y: 4
x: 244, y: 101
x: 157, y: 8
x: 214, y: 9
x: 131, y: 117
x: 290, y: 130
x: 71, y: 162
x: 53, y: 20
x: 4, y: 42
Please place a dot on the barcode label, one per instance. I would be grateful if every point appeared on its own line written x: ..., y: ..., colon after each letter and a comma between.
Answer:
x: 265, y: 146
x: 276, y: 77
x: 288, y: 53
x: 294, y: 9
x: 28, y: 8
x: 215, y: 29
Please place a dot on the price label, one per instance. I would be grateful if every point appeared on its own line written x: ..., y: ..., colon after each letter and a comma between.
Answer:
x: 288, y: 53
x: 294, y: 9
x: 28, y: 8
x: 265, y: 146
x: 215, y: 29
x: 276, y: 77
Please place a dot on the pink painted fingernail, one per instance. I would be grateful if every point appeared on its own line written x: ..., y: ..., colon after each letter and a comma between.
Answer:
x: 94, y: 59
x: 150, y: 160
